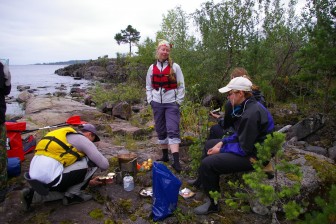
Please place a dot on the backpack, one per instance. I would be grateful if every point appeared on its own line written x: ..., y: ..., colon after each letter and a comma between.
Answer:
x: 29, y: 144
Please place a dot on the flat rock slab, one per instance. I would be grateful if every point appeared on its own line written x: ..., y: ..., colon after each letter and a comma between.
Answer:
x: 123, y: 127
x: 47, y: 110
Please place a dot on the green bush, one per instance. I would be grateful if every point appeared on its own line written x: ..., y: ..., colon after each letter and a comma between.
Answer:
x: 128, y: 92
x: 326, y: 212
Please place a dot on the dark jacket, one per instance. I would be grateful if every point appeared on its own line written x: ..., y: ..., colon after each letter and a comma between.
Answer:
x: 252, y: 123
x: 227, y: 121
x: 4, y: 90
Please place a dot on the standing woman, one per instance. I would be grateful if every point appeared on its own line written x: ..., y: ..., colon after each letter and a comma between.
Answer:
x: 165, y: 93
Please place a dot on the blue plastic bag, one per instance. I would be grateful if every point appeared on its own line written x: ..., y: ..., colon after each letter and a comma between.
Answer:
x: 165, y: 191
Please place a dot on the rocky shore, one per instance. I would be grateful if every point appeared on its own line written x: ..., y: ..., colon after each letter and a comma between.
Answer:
x: 44, y: 111
x: 111, y: 202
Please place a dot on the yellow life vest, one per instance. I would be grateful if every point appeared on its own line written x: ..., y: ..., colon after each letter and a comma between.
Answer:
x: 55, y: 145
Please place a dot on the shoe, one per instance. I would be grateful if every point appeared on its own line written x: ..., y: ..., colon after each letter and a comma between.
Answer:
x: 76, y: 199
x: 85, y: 196
x: 195, y: 183
x: 177, y: 167
x: 26, y: 198
x: 165, y: 157
x: 206, y: 208
x: 269, y: 170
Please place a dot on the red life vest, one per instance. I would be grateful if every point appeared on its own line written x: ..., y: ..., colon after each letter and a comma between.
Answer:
x: 161, y: 79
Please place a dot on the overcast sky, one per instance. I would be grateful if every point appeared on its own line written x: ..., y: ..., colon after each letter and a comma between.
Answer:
x: 40, y: 31
x: 37, y: 31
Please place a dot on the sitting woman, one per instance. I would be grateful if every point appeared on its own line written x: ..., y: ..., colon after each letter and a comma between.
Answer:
x: 225, y: 123
x: 251, y: 124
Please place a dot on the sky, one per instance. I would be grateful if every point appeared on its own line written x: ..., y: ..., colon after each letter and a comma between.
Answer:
x: 41, y: 31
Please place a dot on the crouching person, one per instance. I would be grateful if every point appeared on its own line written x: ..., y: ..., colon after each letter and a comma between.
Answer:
x: 63, y: 166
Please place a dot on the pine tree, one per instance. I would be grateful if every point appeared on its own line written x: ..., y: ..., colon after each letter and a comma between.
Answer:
x: 128, y: 36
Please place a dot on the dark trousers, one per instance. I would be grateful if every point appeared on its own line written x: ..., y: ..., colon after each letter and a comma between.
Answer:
x: 222, y: 163
x: 75, y: 177
x: 70, y: 179
x: 167, y: 121
x: 216, y: 132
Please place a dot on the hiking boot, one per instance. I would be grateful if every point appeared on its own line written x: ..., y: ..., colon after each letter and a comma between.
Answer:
x: 85, y: 196
x: 195, y: 183
x: 164, y: 157
x: 26, y: 198
x: 177, y: 167
x: 76, y: 199
x: 269, y: 170
x: 206, y: 208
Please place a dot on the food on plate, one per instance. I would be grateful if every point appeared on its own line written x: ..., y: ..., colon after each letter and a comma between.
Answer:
x: 146, y: 192
x: 107, y: 179
x: 111, y: 175
x: 186, y: 193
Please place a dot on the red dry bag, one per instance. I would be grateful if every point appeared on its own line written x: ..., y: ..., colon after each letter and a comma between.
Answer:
x: 14, y: 140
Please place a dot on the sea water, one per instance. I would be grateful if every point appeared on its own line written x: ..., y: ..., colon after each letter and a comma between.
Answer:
x: 41, y: 78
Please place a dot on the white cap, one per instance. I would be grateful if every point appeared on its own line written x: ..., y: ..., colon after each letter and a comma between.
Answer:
x: 238, y: 83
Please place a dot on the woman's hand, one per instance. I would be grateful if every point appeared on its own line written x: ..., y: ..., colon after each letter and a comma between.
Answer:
x: 95, y: 182
x: 215, y: 149
x: 215, y: 115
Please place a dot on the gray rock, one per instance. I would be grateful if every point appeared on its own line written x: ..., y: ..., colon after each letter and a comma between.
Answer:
x: 285, y: 129
x: 95, y: 72
x: 302, y: 143
x: 24, y: 96
x: 22, y: 88
x: 50, y: 110
x: 122, y: 110
x: 306, y: 127
x: 332, y: 153
x: 59, y: 94
x: 122, y: 127
x: 107, y: 107
x: 136, y: 109
x: 317, y: 150
x: 258, y: 208
x: 211, y: 100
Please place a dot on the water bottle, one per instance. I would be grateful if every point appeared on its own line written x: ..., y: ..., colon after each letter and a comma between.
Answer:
x: 7, y: 144
x: 128, y: 183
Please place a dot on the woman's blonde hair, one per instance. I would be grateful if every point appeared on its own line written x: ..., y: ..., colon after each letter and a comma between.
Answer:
x: 172, y: 76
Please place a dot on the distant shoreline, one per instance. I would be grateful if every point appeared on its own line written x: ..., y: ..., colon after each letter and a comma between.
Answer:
x: 71, y: 62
